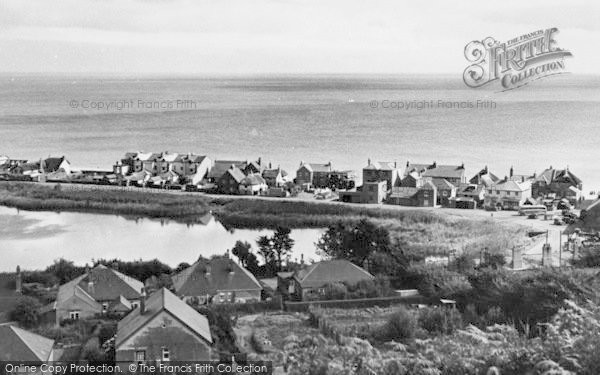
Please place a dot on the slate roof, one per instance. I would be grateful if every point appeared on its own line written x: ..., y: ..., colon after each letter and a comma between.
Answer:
x: 109, y: 285
x: 52, y: 164
x: 221, y: 166
x: 273, y: 173
x: 20, y: 345
x: 194, y: 280
x: 163, y: 300
x: 510, y: 185
x: 442, y: 184
x: 485, y: 177
x: 330, y: 271
x: 551, y: 175
x: 171, y: 157
x: 314, y: 167
x: 382, y: 165
x: 193, y: 158
x: 236, y: 173
x: 436, y: 170
x: 253, y: 179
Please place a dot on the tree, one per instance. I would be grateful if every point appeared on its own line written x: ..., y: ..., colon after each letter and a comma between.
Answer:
x: 242, y: 250
x: 282, y: 244
x: 357, y: 243
x: 26, y: 311
x: 64, y: 270
x: 265, y: 249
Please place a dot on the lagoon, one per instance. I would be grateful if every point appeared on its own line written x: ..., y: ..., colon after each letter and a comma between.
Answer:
x: 33, y: 240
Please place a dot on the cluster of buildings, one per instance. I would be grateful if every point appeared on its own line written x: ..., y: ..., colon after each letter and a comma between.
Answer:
x: 158, y: 323
x: 431, y: 185
x: 418, y: 185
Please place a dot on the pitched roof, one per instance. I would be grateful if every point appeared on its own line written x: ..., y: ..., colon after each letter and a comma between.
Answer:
x: 163, y: 300
x: 403, y: 192
x: 193, y: 158
x: 510, y: 185
x: 382, y: 165
x: 236, y: 173
x: 442, y: 184
x: 20, y: 345
x: 330, y: 271
x: 557, y: 175
x: 436, y: 170
x: 221, y: 166
x: 52, y: 164
x: 108, y: 285
x: 273, y: 173
x: 253, y: 179
x: 485, y: 177
x: 224, y: 275
x: 171, y: 157
x: 314, y: 167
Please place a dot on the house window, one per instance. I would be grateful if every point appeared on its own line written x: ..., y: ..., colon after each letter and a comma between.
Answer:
x: 74, y: 315
x: 140, y: 356
x: 166, y: 355
x: 104, y: 307
x: 134, y: 305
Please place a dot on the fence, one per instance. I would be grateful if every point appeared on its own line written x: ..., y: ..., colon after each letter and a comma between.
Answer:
x: 360, y: 303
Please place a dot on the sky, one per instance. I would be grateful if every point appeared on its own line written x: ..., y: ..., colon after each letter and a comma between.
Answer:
x: 278, y: 36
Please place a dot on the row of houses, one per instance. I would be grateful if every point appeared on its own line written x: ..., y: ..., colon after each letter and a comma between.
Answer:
x: 157, y: 323
x: 417, y: 184
x: 431, y: 185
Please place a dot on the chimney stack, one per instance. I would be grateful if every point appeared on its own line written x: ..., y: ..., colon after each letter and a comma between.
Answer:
x: 19, y: 281
x: 369, y: 161
x: 511, y: 171
x: 143, y: 301
x: 301, y: 259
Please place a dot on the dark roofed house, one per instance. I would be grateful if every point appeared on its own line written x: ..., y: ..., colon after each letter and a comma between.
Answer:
x: 382, y: 171
x: 561, y: 183
x: 313, y: 174
x: 275, y: 177
x: 422, y: 196
x: 217, y: 280
x: 254, y: 167
x: 95, y: 292
x: 455, y: 174
x: 314, y: 278
x: 56, y: 165
x: 221, y: 166
x: 484, y: 177
x: 17, y: 344
x: 229, y: 182
x: 164, y: 328
x: 253, y: 184
x: 445, y: 191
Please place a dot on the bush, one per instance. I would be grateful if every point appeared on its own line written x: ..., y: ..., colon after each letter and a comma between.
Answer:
x: 335, y: 291
x: 401, y: 325
x: 26, y: 312
x: 437, y: 320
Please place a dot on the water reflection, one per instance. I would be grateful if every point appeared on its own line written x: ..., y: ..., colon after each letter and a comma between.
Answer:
x: 34, y: 239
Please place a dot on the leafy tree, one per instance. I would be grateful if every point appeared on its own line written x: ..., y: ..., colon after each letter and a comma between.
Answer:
x: 358, y: 243
x: 64, y: 270
x: 242, y: 250
x: 265, y: 249
x: 282, y: 244
x: 182, y: 266
x: 26, y: 311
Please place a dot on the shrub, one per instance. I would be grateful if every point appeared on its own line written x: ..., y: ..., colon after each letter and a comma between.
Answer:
x: 26, y: 311
x: 401, y: 325
x: 437, y: 320
x: 335, y: 291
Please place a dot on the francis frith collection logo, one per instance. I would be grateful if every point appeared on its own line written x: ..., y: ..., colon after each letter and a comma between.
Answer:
x: 516, y: 62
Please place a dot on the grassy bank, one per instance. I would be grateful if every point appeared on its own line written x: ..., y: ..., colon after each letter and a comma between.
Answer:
x: 422, y: 231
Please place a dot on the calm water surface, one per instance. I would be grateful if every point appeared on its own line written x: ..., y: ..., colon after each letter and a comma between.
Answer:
x: 34, y: 239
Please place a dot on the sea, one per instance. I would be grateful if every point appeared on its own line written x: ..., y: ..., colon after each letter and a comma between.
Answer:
x: 345, y: 119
